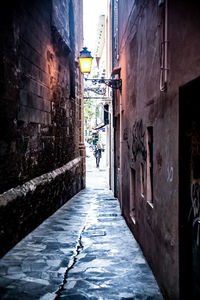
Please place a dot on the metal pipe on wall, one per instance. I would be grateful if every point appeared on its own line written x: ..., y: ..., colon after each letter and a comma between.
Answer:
x: 120, y: 155
x: 164, y: 49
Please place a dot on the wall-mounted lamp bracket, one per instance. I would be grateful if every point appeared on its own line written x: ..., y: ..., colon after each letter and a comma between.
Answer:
x: 113, y: 83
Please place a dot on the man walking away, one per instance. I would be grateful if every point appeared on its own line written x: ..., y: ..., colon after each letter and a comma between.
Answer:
x: 98, y: 154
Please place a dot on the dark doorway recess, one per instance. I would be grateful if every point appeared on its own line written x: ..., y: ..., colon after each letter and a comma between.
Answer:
x: 189, y: 189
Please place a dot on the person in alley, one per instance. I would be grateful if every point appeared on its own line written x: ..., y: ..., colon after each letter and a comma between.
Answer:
x: 97, y: 154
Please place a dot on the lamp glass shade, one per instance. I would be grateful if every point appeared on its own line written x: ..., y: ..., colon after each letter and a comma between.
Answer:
x: 85, y: 60
x: 85, y: 64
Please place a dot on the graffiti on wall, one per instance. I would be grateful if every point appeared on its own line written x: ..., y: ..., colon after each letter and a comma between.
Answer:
x: 170, y: 174
x: 138, y: 144
x: 194, y: 213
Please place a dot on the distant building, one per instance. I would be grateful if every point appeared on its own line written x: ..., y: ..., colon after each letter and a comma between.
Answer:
x: 156, y: 50
x: 96, y: 95
x: 41, y: 113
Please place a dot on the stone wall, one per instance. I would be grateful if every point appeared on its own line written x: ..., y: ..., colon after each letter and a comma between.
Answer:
x: 40, y: 92
x: 24, y: 207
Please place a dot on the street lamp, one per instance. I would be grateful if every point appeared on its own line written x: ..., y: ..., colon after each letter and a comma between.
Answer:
x: 85, y: 62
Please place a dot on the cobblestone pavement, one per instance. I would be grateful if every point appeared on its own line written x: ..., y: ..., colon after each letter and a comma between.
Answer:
x: 83, y: 251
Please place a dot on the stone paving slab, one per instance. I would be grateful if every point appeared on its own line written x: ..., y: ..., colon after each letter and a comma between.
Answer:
x: 83, y: 251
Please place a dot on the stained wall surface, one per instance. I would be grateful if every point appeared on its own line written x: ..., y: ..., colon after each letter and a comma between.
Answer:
x: 40, y: 94
x: 149, y: 186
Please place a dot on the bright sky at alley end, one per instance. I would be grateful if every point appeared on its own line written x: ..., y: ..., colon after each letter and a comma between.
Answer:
x: 92, y: 9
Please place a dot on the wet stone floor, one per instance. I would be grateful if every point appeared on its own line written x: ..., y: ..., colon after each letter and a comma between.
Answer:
x: 83, y: 251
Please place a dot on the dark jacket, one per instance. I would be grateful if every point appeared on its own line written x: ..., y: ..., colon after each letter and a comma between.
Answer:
x: 98, y: 153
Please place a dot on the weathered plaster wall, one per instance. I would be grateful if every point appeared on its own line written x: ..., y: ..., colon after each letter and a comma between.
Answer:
x: 40, y: 90
x: 144, y: 105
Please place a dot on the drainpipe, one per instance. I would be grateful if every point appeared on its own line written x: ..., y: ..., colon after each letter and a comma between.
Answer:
x: 113, y: 104
x: 164, y: 49
x: 114, y: 146
x: 110, y: 149
x: 166, y: 41
x: 121, y: 144
x: 116, y: 71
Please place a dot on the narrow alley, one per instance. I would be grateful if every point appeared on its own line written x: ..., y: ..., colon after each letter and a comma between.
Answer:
x: 83, y: 251
x: 81, y: 79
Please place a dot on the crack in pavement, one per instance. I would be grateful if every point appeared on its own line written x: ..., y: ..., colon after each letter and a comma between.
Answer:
x: 79, y: 248
x: 73, y: 260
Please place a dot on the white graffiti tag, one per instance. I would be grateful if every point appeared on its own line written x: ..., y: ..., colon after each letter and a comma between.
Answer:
x: 170, y: 174
x: 195, y: 208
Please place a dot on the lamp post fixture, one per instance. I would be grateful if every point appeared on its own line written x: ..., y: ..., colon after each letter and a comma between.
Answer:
x: 85, y: 62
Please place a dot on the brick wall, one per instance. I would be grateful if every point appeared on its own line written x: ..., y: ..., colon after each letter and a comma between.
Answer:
x: 40, y: 90
x: 38, y: 99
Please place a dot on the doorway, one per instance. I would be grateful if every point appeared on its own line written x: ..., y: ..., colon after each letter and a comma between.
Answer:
x: 189, y: 189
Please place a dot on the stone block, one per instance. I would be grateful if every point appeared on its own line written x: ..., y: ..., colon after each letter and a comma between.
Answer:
x: 23, y: 113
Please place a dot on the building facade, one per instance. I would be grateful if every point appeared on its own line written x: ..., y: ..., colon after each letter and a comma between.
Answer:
x: 42, y: 160
x: 156, y: 52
